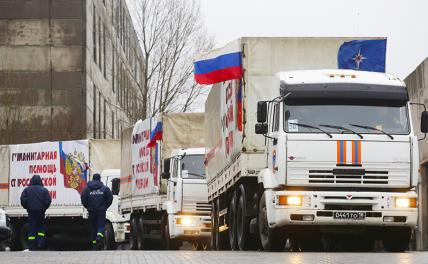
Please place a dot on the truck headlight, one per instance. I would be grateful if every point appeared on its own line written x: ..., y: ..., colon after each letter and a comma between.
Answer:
x: 403, y: 202
x: 290, y: 200
x: 185, y: 221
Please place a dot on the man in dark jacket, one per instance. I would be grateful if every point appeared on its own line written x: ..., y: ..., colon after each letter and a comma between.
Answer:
x: 36, y: 199
x: 96, y: 198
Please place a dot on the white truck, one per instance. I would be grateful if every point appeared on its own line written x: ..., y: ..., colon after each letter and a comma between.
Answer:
x: 163, y: 184
x: 64, y: 173
x: 337, y: 167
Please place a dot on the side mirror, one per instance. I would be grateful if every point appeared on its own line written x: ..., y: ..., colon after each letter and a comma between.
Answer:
x: 115, y: 186
x: 166, y: 164
x: 261, y: 129
x: 424, y: 122
x: 261, y: 112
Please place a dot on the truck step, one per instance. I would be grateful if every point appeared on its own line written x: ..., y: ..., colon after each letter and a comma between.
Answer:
x: 223, y: 228
x: 222, y: 212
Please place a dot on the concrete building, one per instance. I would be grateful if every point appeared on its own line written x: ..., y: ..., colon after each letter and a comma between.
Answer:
x: 69, y: 69
x: 417, y: 85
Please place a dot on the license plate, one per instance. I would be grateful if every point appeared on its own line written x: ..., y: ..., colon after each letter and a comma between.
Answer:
x: 349, y: 215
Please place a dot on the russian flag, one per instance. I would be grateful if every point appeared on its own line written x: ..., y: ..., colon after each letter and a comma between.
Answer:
x: 239, y: 106
x: 219, y: 65
x: 155, y: 135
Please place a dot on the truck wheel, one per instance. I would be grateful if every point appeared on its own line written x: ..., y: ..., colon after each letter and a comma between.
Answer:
x: 231, y: 213
x: 23, y: 237
x: 140, y: 234
x: 133, y: 239
x: 244, y: 238
x: 397, y: 239
x: 170, y: 243
x: 14, y: 238
x: 221, y: 237
x: 109, y: 241
x: 270, y: 238
x: 214, y: 226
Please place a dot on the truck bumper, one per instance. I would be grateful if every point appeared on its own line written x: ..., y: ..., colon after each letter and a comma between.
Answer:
x: 190, y: 227
x: 340, y: 209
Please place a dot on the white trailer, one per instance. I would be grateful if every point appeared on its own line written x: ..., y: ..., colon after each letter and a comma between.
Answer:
x: 64, y: 173
x: 163, y: 185
x: 308, y: 180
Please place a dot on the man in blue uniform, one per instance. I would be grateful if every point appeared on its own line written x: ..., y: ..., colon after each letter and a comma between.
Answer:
x: 36, y: 199
x: 96, y: 198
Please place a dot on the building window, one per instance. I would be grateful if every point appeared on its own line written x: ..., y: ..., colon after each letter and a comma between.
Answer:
x: 99, y: 43
x: 94, y: 35
x: 94, y: 112
x: 104, y: 2
x: 112, y: 124
x: 104, y: 51
x: 104, y: 119
x: 99, y: 114
x: 113, y: 78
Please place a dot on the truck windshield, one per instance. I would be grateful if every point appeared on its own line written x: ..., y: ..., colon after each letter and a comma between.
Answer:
x: 193, y: 167
x: 390, y: 119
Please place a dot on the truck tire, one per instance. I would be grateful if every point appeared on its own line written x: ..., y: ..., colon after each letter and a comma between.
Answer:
x: 214, y: 227
x: 397, y: 239
x: 222, y: 238
x: 140, y: 234
x: 244, y: 238
x: 109, y: 240
x: 14, y: 238
x: 133, y: 239
x: 23, y: 237
x: 170, y: 243
x: 270, y: 238
x: 231, y: 217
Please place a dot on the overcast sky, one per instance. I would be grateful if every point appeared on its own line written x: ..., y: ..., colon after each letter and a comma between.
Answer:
x: 403, y: 22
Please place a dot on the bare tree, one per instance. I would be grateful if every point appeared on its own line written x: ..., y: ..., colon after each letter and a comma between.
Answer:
x: 171, y: 33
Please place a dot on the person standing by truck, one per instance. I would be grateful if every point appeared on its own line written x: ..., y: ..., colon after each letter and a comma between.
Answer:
x: 96, y: 198
x: 36, y: 200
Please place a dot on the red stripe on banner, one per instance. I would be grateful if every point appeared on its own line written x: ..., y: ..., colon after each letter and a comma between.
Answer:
x: 212, y: 153
x: 220, y: 75
x: 4, y: 186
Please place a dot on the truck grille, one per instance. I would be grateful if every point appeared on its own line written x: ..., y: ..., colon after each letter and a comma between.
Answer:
x: 199, y: 207
x: 347, y: 207
x: 203, y: 207
x: 358, y: 176
x: 369, y: 175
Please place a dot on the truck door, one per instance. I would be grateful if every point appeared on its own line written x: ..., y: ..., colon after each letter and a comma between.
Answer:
x: 175, y: 185
x: 272, y: 140
x: 172, y: 182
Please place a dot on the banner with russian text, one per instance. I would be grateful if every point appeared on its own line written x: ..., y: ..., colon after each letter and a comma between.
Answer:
x: 64, y: 181
x: 145, y: 168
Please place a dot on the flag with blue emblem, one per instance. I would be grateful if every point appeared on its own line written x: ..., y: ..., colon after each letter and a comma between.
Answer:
x: 363, y: 55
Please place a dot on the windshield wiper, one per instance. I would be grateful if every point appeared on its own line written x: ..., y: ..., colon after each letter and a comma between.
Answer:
x: 344, y: 128
x: 373, y: 128
x: 314, y: 127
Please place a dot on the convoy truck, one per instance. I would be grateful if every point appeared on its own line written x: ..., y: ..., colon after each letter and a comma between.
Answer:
x: 163, y: 185
x: 323, y: 159
x: 65, y: 167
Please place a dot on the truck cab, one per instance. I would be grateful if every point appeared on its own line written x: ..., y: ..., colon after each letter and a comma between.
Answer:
x: 187, y: 198
x: 342, y: 161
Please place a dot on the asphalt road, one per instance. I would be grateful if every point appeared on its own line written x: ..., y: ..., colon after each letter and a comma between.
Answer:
x: 210, y: 257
